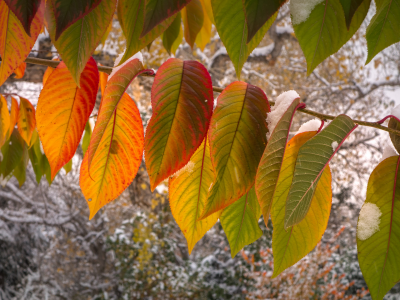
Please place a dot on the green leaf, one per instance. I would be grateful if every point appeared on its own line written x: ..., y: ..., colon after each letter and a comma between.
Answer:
x: 131, y: 18
x: 289, y: 246
x: 325, y: 32
x: 20, y: 169
x: 237, y: 138
x: 68, y: 167
x: 67, y: 12
x: 35, y: 155
x: 350, y: 7
x: 240, y: 222
x: 258, y: 12
x: 172, y: 37
x: 231, y: 26
x: 46, y: 169
x: 159, y: 10
x: 12, y: 152
x: 378, y: 230
x: 314, y: 156
x: 384, y: 28
x: 86, y: 137
x: 78, y: 42
x: 193, y: 18
x: 25, y: 11
x: 271, y: 161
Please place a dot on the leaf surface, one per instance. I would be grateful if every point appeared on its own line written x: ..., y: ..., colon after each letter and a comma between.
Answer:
x: 67, y: 12
x: 20, y: 71
x: 172, y: 37
x: 231, y: 25
x: 378, y: 251
x: 131, y: 18
x: 25, y: 11
x: 13, y: 116
x: 156, y: 11
x: 271, y: 161
x: 182, y: 102
x: 35, y: 156
x: 237, y: 137
x: 78, y: 42
x: 240, y: 222
x: 20, y: 170
x: 12, y: 152
x: 4, y: 121
x: 188, y: 190
x: 350, y: 7
x: 193, y: 18
x: 258, y: 12
x: 325, y: 32
x: 204, y: 35
x: 86, y: 137
x: 289, y: 246
x: 313, y: 158
x: 394, y: 124
x: 26, y: 120
x: 63, y: 110
x: 15, y: 44
x: 384, y: 28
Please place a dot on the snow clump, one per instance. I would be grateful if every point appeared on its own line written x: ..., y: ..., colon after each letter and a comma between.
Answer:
x: 368, y: 221
x: 301, y: 9
x: 282, y: 103
x: 334, y: 145
x: 388, y: 151
x: 118, y: 59
x: 312, y: 125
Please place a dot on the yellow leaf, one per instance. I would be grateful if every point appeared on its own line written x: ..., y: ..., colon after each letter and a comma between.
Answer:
x: 4, y: 121
x: 26, y: 120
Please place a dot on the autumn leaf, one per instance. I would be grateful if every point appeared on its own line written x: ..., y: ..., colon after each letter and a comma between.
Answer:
x: 204, y: 35
x: 237, y: 143
x: 4, y: 121
x: 182, y: 102
x: 172, y: 37
x: 86, y: 137
x: 12, y: 152
x: 63, y: 110
x: 25, y: 11
x: 20, y: 170
x: 188, y: 190
x: 20, y: 71
x: 193, y: 18
x: 13, y: 115
x: 15, y: 44
x: 26, y: 120
x: 48, y: 71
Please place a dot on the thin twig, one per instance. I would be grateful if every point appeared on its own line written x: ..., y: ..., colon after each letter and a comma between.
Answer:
x: 54, y: 64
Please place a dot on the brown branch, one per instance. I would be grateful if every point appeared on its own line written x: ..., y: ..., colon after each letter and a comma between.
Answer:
x: 54, y: 64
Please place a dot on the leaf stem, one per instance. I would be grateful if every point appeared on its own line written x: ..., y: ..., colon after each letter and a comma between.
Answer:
x: 377, y: 125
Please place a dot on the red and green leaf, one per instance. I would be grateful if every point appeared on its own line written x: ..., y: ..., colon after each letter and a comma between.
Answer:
x: 237, y: 138
x: 26, y: 120
x: 63, y: 110
x: 182, y: 102
x: 193, y: 18
x: 25, y: 11
x: 172, y: 37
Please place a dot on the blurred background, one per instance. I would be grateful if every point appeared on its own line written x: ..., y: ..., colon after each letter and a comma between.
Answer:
x: 133, y: 248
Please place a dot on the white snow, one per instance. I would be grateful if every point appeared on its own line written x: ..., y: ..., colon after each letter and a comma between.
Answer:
x: 312, y: 125
x: 368, y: 221
x: 334, y: 145
x: 301, y: 9
x: 282, y: 103
x: 188, y: 168
x: 118, y: 59
x: 396, y: 111
x: 388, y: 151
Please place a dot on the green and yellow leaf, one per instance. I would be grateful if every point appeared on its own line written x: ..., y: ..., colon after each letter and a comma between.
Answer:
x: 26, y: 120
x: 172, y: 37
x: 193, y: 18
x: 4, y: 121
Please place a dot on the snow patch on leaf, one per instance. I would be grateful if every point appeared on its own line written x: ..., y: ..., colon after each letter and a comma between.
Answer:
x: 301, y: 9
x: 334, y: 145
x: 312, y: 125
x: 116, y: 68
x: 188, y: 168
x: 368, y: 221
x: 282, y: 103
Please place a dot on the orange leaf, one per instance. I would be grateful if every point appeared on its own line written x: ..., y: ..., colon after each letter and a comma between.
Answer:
x: 26, y: 120
x: 103, y: 82
x: 15, y: 44
x: 117, y: 160
x: 20, y: 71
x: 4, y: 120
x: 13, y: 115
x: 63, y: 110
x: 49, y: 70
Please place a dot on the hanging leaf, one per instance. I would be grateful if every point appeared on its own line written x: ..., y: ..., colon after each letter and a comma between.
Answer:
x: 15, y: 44
x: 132, y: 27
x: 12, y: 152
x: 172, y: 37
x: 48, y: 72
x: 240, y: 222
x: 86, y: 137
x: 291, y: 245
x: 384, y: 28
x: 378, y: 230
x: 204, y: 35
x: 182, y: 102
x: 63, y: 110
x: 192, y: 16
x: 258, y: 12
x: 313, y: 158
x: 188, y: 190
x: 20, y: 169
x: 26, y: 120
x: 68, y: 12
x: 35, y: 156
x: 232, y: 29
x: 324, y: 32
x: 394, y: 124
x: 68, y: 167
x: 78, y: 42
x: 13, y: 116
x: 208, y: 9
x: 4, y: 121
x: 20, y: 71
x: 157, y: 11
x: 271, y: 162
x: 103, y: 82
x: 116, y: 146
x: 350, y: 8
x: 237, y: 143
x: 25, y: 11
